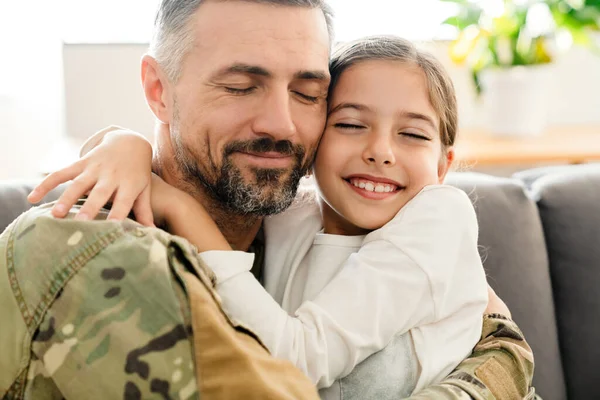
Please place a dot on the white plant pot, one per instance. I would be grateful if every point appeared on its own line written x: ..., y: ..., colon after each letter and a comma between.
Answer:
x: 516, y: 100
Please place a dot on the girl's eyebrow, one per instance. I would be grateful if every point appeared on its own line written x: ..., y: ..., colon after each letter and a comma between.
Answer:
x: 354, y: 106
x: 403, y: 114
x: 415, y: 115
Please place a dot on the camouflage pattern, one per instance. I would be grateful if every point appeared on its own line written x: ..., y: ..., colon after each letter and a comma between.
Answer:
x: 500, y: 368
x: 121, y: 326
x: 118, y: 328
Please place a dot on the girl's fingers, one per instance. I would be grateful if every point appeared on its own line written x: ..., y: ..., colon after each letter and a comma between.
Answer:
x: 98, y: 197
x: 80, y: 186
x: 122, y: 205
x: 142, y: 208
x: 53, y: 180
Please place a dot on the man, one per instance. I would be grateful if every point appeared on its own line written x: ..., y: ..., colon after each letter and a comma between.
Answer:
x: 110, y: 309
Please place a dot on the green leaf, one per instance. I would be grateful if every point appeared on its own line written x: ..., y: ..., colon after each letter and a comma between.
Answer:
x: 455, y: 21
x: 475, y: 75
x: 581, y: 38
x: 506, y: 25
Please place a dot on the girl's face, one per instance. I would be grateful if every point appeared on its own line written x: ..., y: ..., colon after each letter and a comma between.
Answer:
x: 381, y: 146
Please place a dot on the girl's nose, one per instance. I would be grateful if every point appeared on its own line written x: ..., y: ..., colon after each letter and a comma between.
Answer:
x: 379, y: 152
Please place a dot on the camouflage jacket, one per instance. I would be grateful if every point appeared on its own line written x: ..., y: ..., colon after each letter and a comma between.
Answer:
x: 101, y: 310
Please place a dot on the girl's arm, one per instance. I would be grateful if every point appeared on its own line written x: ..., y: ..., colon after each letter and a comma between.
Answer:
x: 380, y: 292
x: 183, y: 216
x: 97, y: 138
x: 115, y: 167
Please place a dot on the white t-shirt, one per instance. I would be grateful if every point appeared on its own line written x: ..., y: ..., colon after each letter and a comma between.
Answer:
x: 346, y: 298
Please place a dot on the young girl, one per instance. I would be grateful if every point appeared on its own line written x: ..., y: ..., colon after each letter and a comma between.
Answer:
x: 377, y: 288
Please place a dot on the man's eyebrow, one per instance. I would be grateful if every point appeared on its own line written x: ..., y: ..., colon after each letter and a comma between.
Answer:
x: 240, y: 68
x: 415, y: 115
x: 312, y: 76
x: 354, y: 106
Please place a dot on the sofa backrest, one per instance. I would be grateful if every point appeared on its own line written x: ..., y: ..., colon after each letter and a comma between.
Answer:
x: 13, y: 200
x: 569, y: 204
x: 515, y: 259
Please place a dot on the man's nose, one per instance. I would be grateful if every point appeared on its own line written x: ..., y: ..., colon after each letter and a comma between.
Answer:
x: 378, y: 150
x: 275, y: 117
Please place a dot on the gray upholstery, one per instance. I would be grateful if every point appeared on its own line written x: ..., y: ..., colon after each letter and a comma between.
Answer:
x: 569, y: 204
x: 13, y: 200
x: 516, y: 262
x: 529, y: 176
x: 541, y: 247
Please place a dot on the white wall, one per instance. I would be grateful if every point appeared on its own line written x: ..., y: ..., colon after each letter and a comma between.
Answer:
x: 31, y: 87
x: 103, y: 87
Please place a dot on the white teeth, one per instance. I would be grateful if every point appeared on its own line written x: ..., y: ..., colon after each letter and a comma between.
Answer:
x: 373, y: 187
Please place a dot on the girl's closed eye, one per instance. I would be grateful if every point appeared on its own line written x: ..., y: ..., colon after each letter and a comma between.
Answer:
x: 413, y: 135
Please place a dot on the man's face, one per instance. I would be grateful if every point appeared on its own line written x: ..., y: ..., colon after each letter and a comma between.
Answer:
x: 250, y: 106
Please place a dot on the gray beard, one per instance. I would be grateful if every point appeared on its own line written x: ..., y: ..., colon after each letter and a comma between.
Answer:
x: 266, y: 194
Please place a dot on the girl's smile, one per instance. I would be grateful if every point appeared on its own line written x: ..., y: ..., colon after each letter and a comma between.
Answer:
x: 373, y: 188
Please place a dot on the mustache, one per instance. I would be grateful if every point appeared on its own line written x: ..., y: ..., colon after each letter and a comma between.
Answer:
x: 265, y: 145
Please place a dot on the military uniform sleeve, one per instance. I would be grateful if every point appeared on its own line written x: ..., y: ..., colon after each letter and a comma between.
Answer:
x: 500, y: 368
x: 106, y: 315
x: 107, y: 310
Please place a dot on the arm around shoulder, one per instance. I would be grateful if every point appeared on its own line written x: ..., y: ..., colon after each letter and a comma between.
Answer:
x: 98, y: 137
x: 500, y: 368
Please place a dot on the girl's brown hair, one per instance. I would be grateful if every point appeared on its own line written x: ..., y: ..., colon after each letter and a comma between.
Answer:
x: 441, y: 89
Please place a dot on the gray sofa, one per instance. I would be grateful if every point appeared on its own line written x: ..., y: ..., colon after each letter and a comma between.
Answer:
x: 540, y: 241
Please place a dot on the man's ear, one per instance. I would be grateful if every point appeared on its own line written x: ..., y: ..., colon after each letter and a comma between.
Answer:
x: 157, y: 89
x: 445, y: 163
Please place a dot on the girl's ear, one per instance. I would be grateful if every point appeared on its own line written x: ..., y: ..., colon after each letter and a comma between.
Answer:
x: 445, y: 164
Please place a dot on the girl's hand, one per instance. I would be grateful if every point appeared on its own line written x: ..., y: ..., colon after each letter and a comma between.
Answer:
x: 119, y: 168
x: 496, y: 305
x: 181, y: 214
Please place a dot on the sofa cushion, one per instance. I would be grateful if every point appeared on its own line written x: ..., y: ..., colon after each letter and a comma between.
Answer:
x: 13, y: 200
x: 515, y: 260
x: 569, y: 204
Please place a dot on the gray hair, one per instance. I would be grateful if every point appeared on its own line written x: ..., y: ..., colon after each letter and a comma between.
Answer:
x: 440, y: 87
x: 172, y: 31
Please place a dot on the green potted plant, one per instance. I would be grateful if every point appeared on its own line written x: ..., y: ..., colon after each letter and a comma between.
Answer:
x: 509, y: 46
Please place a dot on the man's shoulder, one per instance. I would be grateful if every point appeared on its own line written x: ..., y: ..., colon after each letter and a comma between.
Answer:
x: 36, y: 238
x: 92, y: 274
x: 39, y: 253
